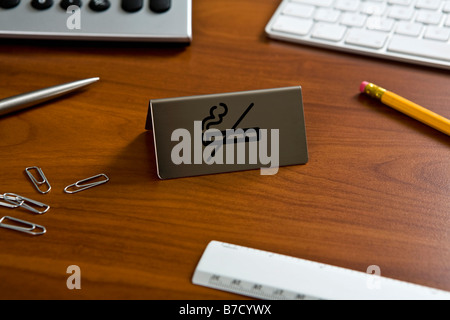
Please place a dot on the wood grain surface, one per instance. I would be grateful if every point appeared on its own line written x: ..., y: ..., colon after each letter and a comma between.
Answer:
x: 376, y: 190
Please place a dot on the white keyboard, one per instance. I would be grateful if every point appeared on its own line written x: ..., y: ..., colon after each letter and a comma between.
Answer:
x: 111, y: 20
x: 415, y: 31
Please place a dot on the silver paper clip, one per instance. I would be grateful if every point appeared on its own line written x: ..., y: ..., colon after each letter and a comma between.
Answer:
x: 28, y: 227
x: 86, y: 184
x: 26, y: 203
x: 40, y: 181
x: 4, y: 203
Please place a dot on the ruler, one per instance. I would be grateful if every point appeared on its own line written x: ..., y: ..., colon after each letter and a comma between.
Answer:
x: 270, y: 276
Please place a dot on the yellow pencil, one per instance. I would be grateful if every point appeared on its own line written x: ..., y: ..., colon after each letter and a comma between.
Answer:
x: 407, y: 107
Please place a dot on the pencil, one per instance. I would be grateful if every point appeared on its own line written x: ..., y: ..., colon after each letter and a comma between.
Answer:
x: 407, y: 107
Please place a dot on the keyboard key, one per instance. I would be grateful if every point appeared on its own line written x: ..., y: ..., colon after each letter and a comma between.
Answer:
x: 327, y: 15
x: 328, y: 31
x: 446, y: 8
x: 347, y: 5
x: 293, y: 25
x: 319, y: 3
x: 41, y: 4
x: 436, y: 33
x: 380, y: 24
x: 8, y: 4
x: 160, y: 6
x: 400, y: 2
x: 366, y: 38
x: 429, y: 17
x: 428, y: 4
x: 299, y: 10
x: 374, y: 8
x: 421, y: 48
x: 353, y: 19
x: 409, y: 29
x: 67, y: 3
x: 99, y: 5
x: 401, y: 13
x: 132, y: 5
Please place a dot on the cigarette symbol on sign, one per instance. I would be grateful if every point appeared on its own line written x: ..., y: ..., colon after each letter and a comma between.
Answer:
x: 209, y: 121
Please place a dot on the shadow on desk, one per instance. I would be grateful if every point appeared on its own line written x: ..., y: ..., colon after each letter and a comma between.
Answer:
x: 135, y: 162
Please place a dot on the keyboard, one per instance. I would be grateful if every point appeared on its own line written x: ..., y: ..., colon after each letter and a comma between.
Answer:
x: 414, y: 31
x: 115, y: 20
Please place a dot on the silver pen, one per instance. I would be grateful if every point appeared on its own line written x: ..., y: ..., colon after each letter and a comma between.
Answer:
x: 29, y: 99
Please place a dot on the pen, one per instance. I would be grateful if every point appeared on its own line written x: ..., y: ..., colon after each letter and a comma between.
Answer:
x: 407, y: 107
x: 26, y: 100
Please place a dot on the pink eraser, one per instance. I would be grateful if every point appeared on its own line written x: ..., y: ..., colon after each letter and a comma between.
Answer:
x: 363, y: 86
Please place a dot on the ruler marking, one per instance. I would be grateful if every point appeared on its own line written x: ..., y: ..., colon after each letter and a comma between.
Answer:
x: 237, y: 288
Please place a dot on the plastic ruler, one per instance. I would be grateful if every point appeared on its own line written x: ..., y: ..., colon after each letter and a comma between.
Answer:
x: 270, y: 276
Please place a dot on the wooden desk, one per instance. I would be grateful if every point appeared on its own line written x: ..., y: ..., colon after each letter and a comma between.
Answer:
x: 376, y: 190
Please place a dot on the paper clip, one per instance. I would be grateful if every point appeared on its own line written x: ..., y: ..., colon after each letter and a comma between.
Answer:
x: 85, y: 184
x: 30, y: 228
x: 41, y: 180
x: 5, y: 203
x: 26, y: 203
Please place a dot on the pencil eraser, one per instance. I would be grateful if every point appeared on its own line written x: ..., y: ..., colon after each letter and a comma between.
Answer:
x: 363, y: 86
